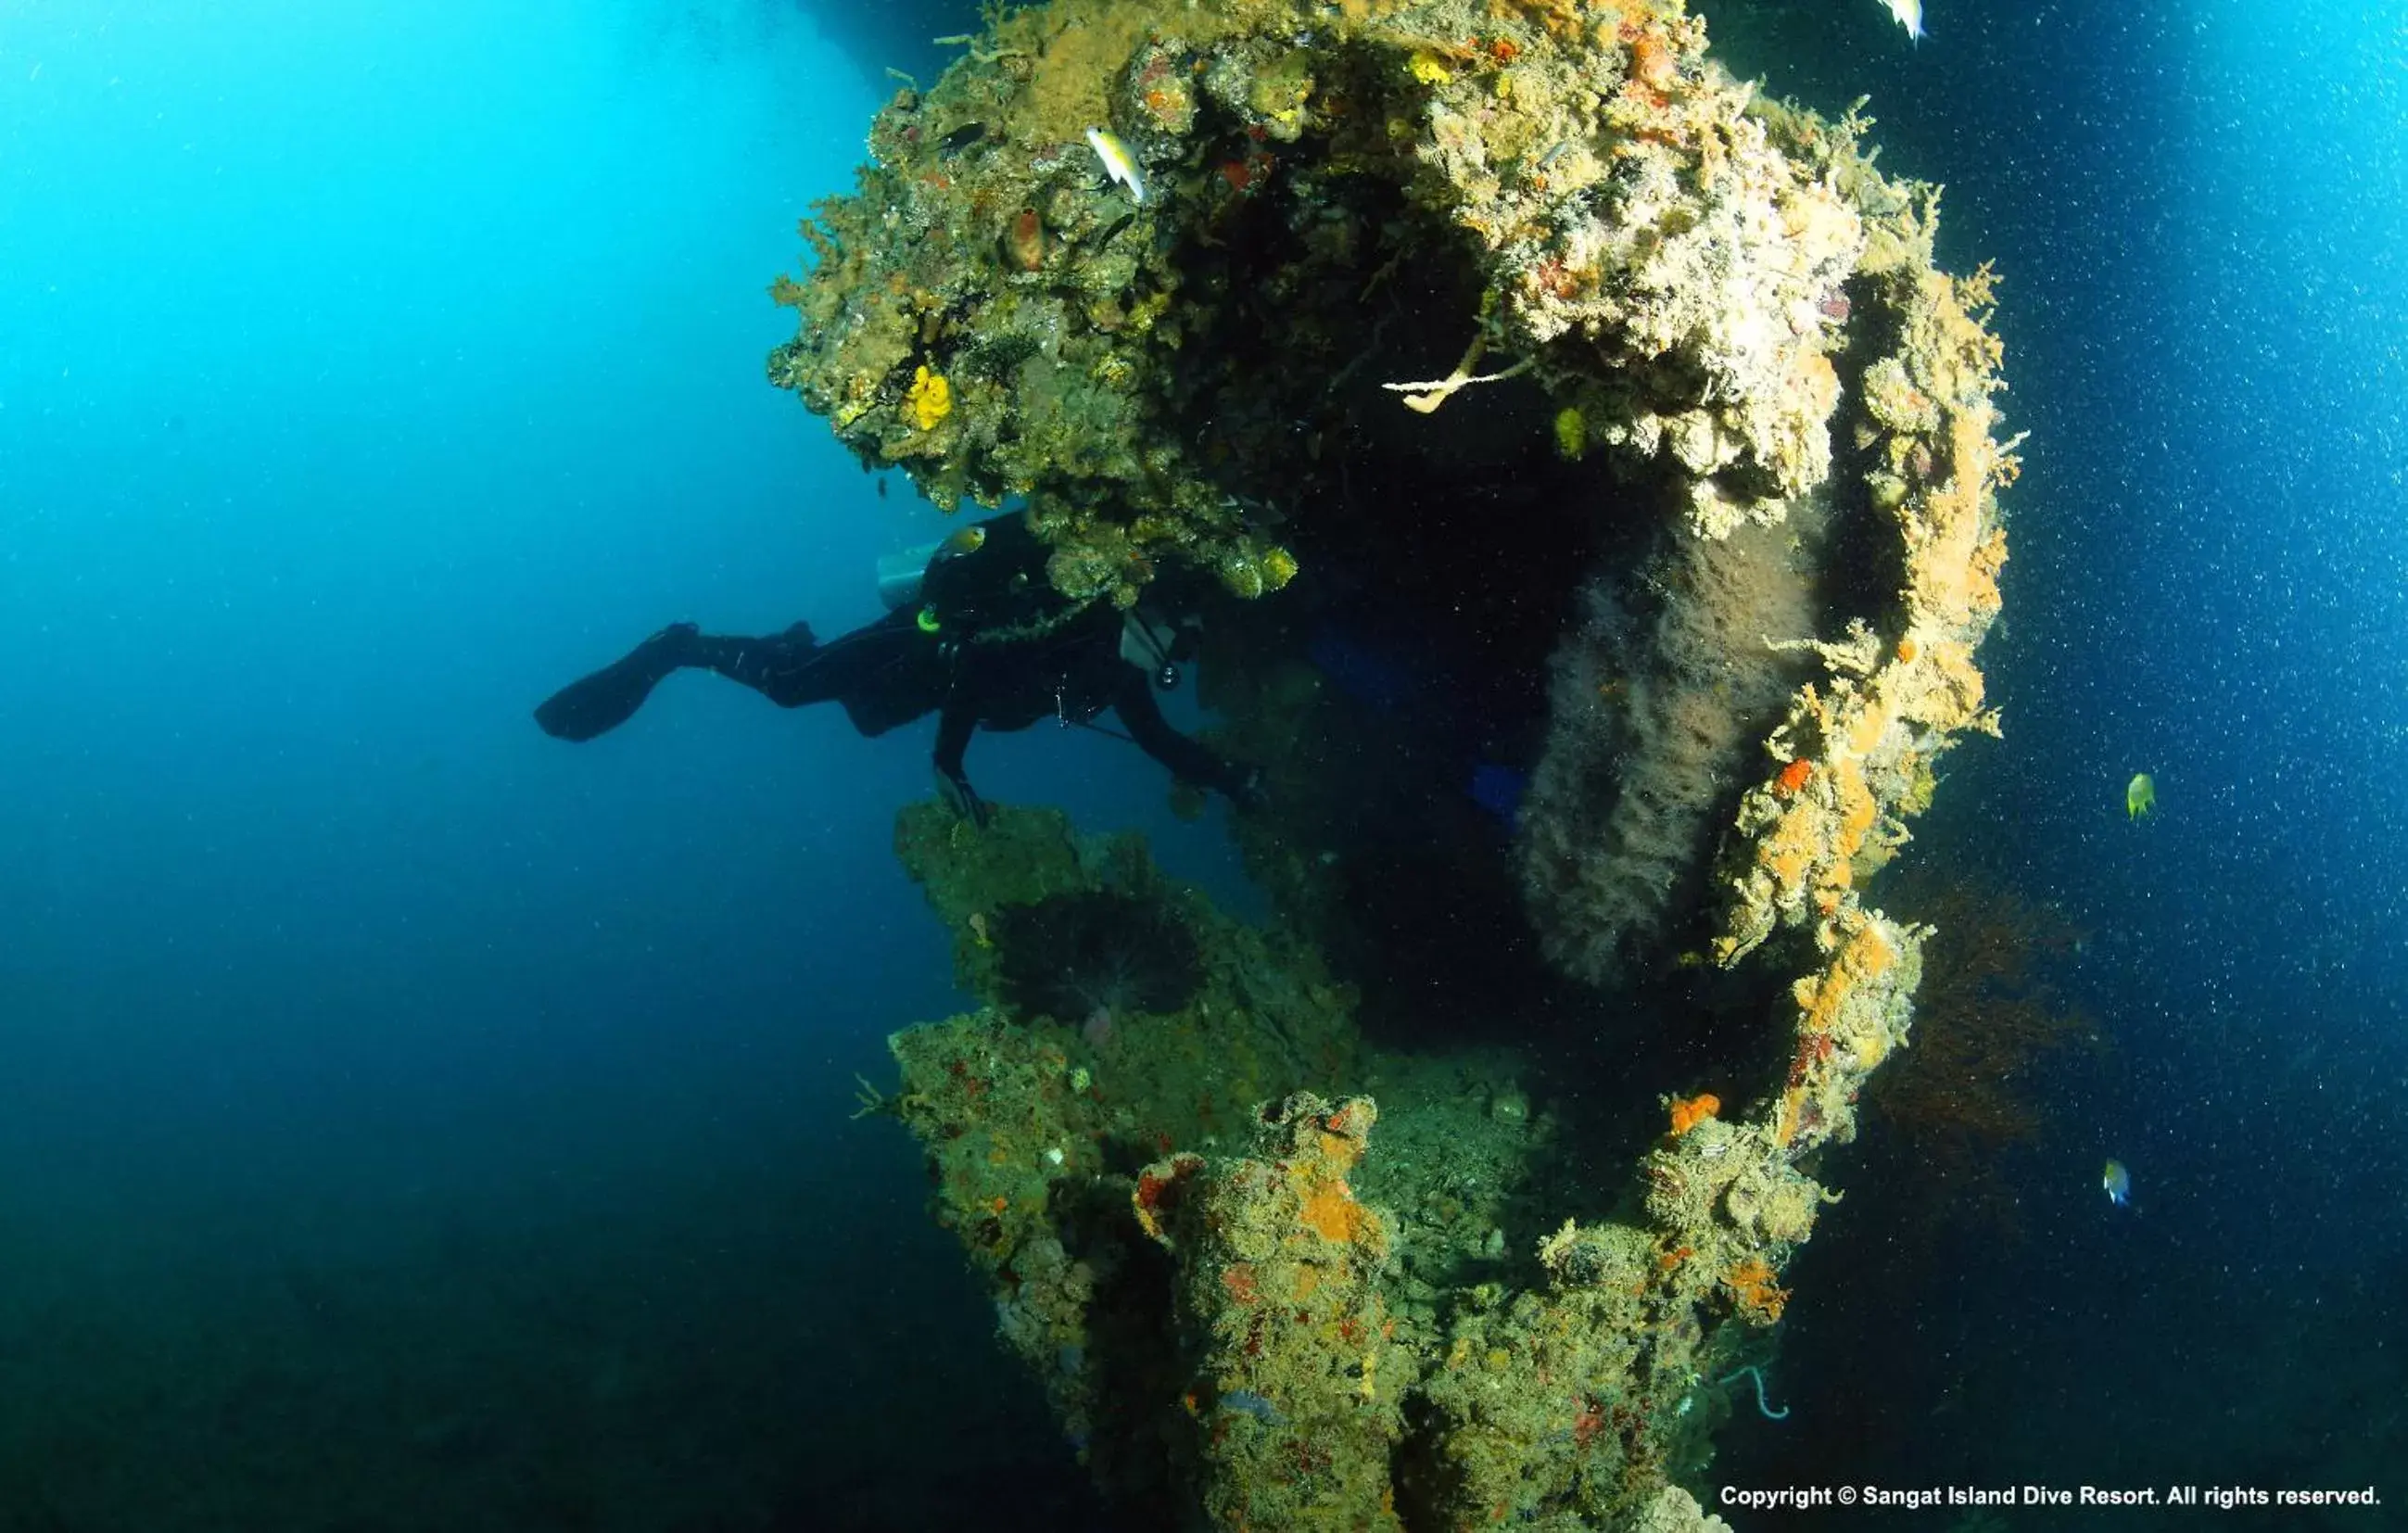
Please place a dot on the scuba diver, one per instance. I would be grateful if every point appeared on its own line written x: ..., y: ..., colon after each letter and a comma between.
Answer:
x: 977, y: 635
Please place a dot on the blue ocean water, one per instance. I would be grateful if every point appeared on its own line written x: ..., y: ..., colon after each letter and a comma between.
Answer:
x: 407, y: 1121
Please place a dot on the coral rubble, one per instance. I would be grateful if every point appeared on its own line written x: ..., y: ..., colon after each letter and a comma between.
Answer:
x: 1364, y: 259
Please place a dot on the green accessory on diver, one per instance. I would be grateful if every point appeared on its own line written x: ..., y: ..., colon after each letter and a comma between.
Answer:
x: 927, y: 620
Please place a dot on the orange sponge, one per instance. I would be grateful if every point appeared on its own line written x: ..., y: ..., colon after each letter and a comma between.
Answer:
x: 1689, y: 1112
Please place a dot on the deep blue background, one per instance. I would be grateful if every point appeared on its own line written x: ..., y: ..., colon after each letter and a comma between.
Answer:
x: 365, y: 371
x: 2195, y: 212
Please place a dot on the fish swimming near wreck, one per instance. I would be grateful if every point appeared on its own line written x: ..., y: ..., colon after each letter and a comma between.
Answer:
x: 1909, y: 14
x: 1119, y: 163
x: 2139, y: 796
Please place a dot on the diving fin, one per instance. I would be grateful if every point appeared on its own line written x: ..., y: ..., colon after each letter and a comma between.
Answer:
x: 599, y: 703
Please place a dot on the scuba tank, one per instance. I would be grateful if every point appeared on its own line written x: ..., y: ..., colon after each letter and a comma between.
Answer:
x: 1015, y: 608
x: 1146, y: 643
x: 901, y: 574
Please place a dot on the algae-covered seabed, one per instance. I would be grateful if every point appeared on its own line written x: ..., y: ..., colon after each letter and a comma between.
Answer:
x: 1626, y: 399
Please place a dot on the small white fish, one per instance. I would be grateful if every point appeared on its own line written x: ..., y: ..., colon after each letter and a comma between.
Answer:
x: 1119, y: 163
x: 1909, y: 14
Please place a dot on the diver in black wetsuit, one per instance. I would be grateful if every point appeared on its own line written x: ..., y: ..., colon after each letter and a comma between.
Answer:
x: 988, y: 643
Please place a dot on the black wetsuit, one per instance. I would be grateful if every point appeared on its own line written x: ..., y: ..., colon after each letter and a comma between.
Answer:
x: 991, y: 645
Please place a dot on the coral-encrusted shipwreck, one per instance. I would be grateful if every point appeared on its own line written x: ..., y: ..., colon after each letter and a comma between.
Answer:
x: 1730, y: 319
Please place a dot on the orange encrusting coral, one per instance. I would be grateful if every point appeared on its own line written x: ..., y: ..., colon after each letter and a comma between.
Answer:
x: 1342, y: 1152
x: 1652, y: 62
x: 1864, y: 955
x: 1157, y: 1187
x: 1793, y: 1106
x: 1753, y: 1292
x: 1954, y: 547
x: 1793, y: 777
x: 1689, y: 1112
x: 1331, y: 1211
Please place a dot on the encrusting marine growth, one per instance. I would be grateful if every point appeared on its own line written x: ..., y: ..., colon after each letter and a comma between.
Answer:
x: 1355, y: 243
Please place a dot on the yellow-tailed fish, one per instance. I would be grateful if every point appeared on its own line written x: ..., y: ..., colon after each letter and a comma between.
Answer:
x: 2139, y: 796
x: 966, y: 541
x: 1909, y: 14
x: 2117, y: 1182
x: 1119, y: 163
